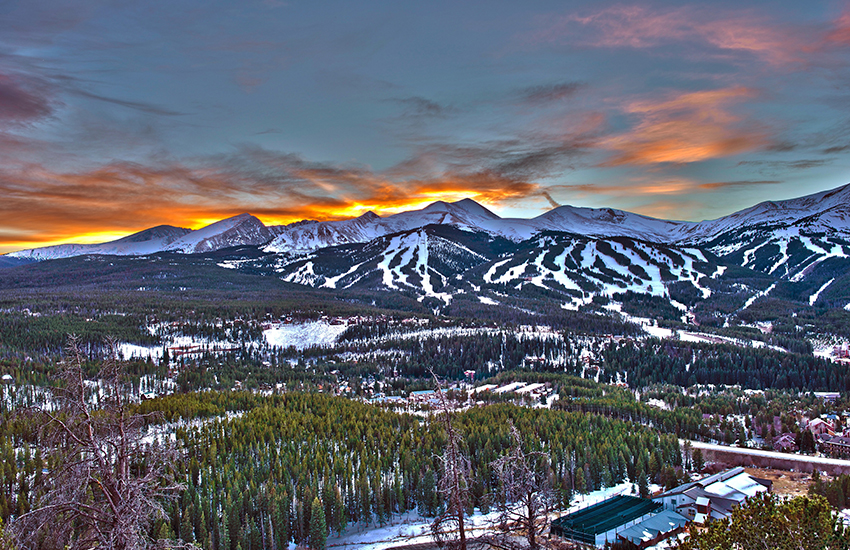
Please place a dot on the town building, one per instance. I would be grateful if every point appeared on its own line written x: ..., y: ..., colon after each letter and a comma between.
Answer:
x: 714, y: 496
x: 603, y: 523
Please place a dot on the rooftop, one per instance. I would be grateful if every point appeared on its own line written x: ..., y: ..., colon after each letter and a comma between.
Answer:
x: 606, y: 515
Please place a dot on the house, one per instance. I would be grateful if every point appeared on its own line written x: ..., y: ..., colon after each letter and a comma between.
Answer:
x: 834, y: 445
x: 422, y: 396
x: 713, y: 496
x: 819, y: 426
x: 785, y: 443
x: 827, y: 396
x: 7, y: 379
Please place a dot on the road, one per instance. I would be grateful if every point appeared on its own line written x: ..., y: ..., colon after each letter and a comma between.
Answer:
x: 800, y: 462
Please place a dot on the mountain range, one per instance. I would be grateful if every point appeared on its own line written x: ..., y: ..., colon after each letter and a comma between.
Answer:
x: 797, y: 249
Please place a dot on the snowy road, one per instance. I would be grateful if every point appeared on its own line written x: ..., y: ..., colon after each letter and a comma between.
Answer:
x: 769, y: 454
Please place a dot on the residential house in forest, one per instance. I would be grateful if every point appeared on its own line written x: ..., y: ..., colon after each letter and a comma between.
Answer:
x: 714, y: 496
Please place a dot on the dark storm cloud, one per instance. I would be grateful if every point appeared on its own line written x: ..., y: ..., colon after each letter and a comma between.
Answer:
x: 549, y: 92
x: 422, y: 107
x: 24, y: 98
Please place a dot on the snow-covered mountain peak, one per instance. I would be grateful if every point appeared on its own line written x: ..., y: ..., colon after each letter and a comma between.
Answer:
x: 369, y: 217
x: 144, y: 242
x: 607, y: 222
x: 239, y: 230
x: 462, y: 209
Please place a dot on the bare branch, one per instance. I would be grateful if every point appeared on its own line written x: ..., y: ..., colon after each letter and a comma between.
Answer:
x: 94, y: 497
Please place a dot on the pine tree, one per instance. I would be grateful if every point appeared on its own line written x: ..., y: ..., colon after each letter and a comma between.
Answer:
x: 699, y: 463
x: 581, y: 487
x: 318, y: 527
x: 224, y: 536
x: 186, y: 527
x: 280, y: 522
x: 643, y: 485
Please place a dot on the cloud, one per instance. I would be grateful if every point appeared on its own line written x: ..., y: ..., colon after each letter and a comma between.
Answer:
x: 549, y: 92
x: 839, y: 35
x: 642, y: 27
x: 687, y: 127
x: 421, y: 107
x: 42, y: 206
x: 711, y: 186
x: 24, y: 98
x: 136, y: 105
x: 552, y: 202
x: 803, y: 164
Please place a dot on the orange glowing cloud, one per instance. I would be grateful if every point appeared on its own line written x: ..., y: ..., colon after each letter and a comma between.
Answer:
x: 688, y: 127
x: 840, y: 34
x: 642, y: 27
x: 41, y: 207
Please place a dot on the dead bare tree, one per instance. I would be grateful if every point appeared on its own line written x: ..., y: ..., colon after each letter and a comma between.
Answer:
x: 448, y: 528
x: 105, y: 485
x: 524, y: 496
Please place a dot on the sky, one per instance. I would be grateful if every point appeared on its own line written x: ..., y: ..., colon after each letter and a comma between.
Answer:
x: 117, y: 116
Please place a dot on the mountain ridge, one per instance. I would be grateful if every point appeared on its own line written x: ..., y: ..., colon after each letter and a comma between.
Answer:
x: 825, y: 212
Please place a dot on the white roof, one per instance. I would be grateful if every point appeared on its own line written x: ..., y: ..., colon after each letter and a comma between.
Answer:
x: 702, y: 501
x: 737, y: 488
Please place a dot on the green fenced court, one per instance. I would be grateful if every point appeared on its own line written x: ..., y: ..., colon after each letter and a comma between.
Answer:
x: 586, y: 524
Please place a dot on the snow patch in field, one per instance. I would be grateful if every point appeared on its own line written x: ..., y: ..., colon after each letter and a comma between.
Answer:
x: 488, y: 301
x: 129, y: 351
x: 305, y: 335
x: 648, y: 325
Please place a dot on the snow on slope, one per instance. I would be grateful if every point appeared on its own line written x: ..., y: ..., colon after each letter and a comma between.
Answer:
x: 418, y: 260
x: 828, y: 211
x: 304, y: 335
x: 814, y: 297
x: 825, y: 212
x: 144, y: 242
x: 607, y: 222
x: 466, y: 214
x: 243, y: 229
x: 587, y: 267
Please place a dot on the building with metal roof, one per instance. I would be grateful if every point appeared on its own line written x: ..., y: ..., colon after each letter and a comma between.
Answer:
x: 601, y: 522
x: 660, y: 526
x: 714, y: 496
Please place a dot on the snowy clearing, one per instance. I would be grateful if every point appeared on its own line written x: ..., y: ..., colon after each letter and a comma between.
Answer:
x: 305, y: 335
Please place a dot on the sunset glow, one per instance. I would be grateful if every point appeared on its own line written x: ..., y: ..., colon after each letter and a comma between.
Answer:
x: 308, y: 111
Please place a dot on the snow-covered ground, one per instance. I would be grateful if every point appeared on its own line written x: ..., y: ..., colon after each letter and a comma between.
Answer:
x: 301, y: 336
x: 411, y: 528
x: 304, y: 335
